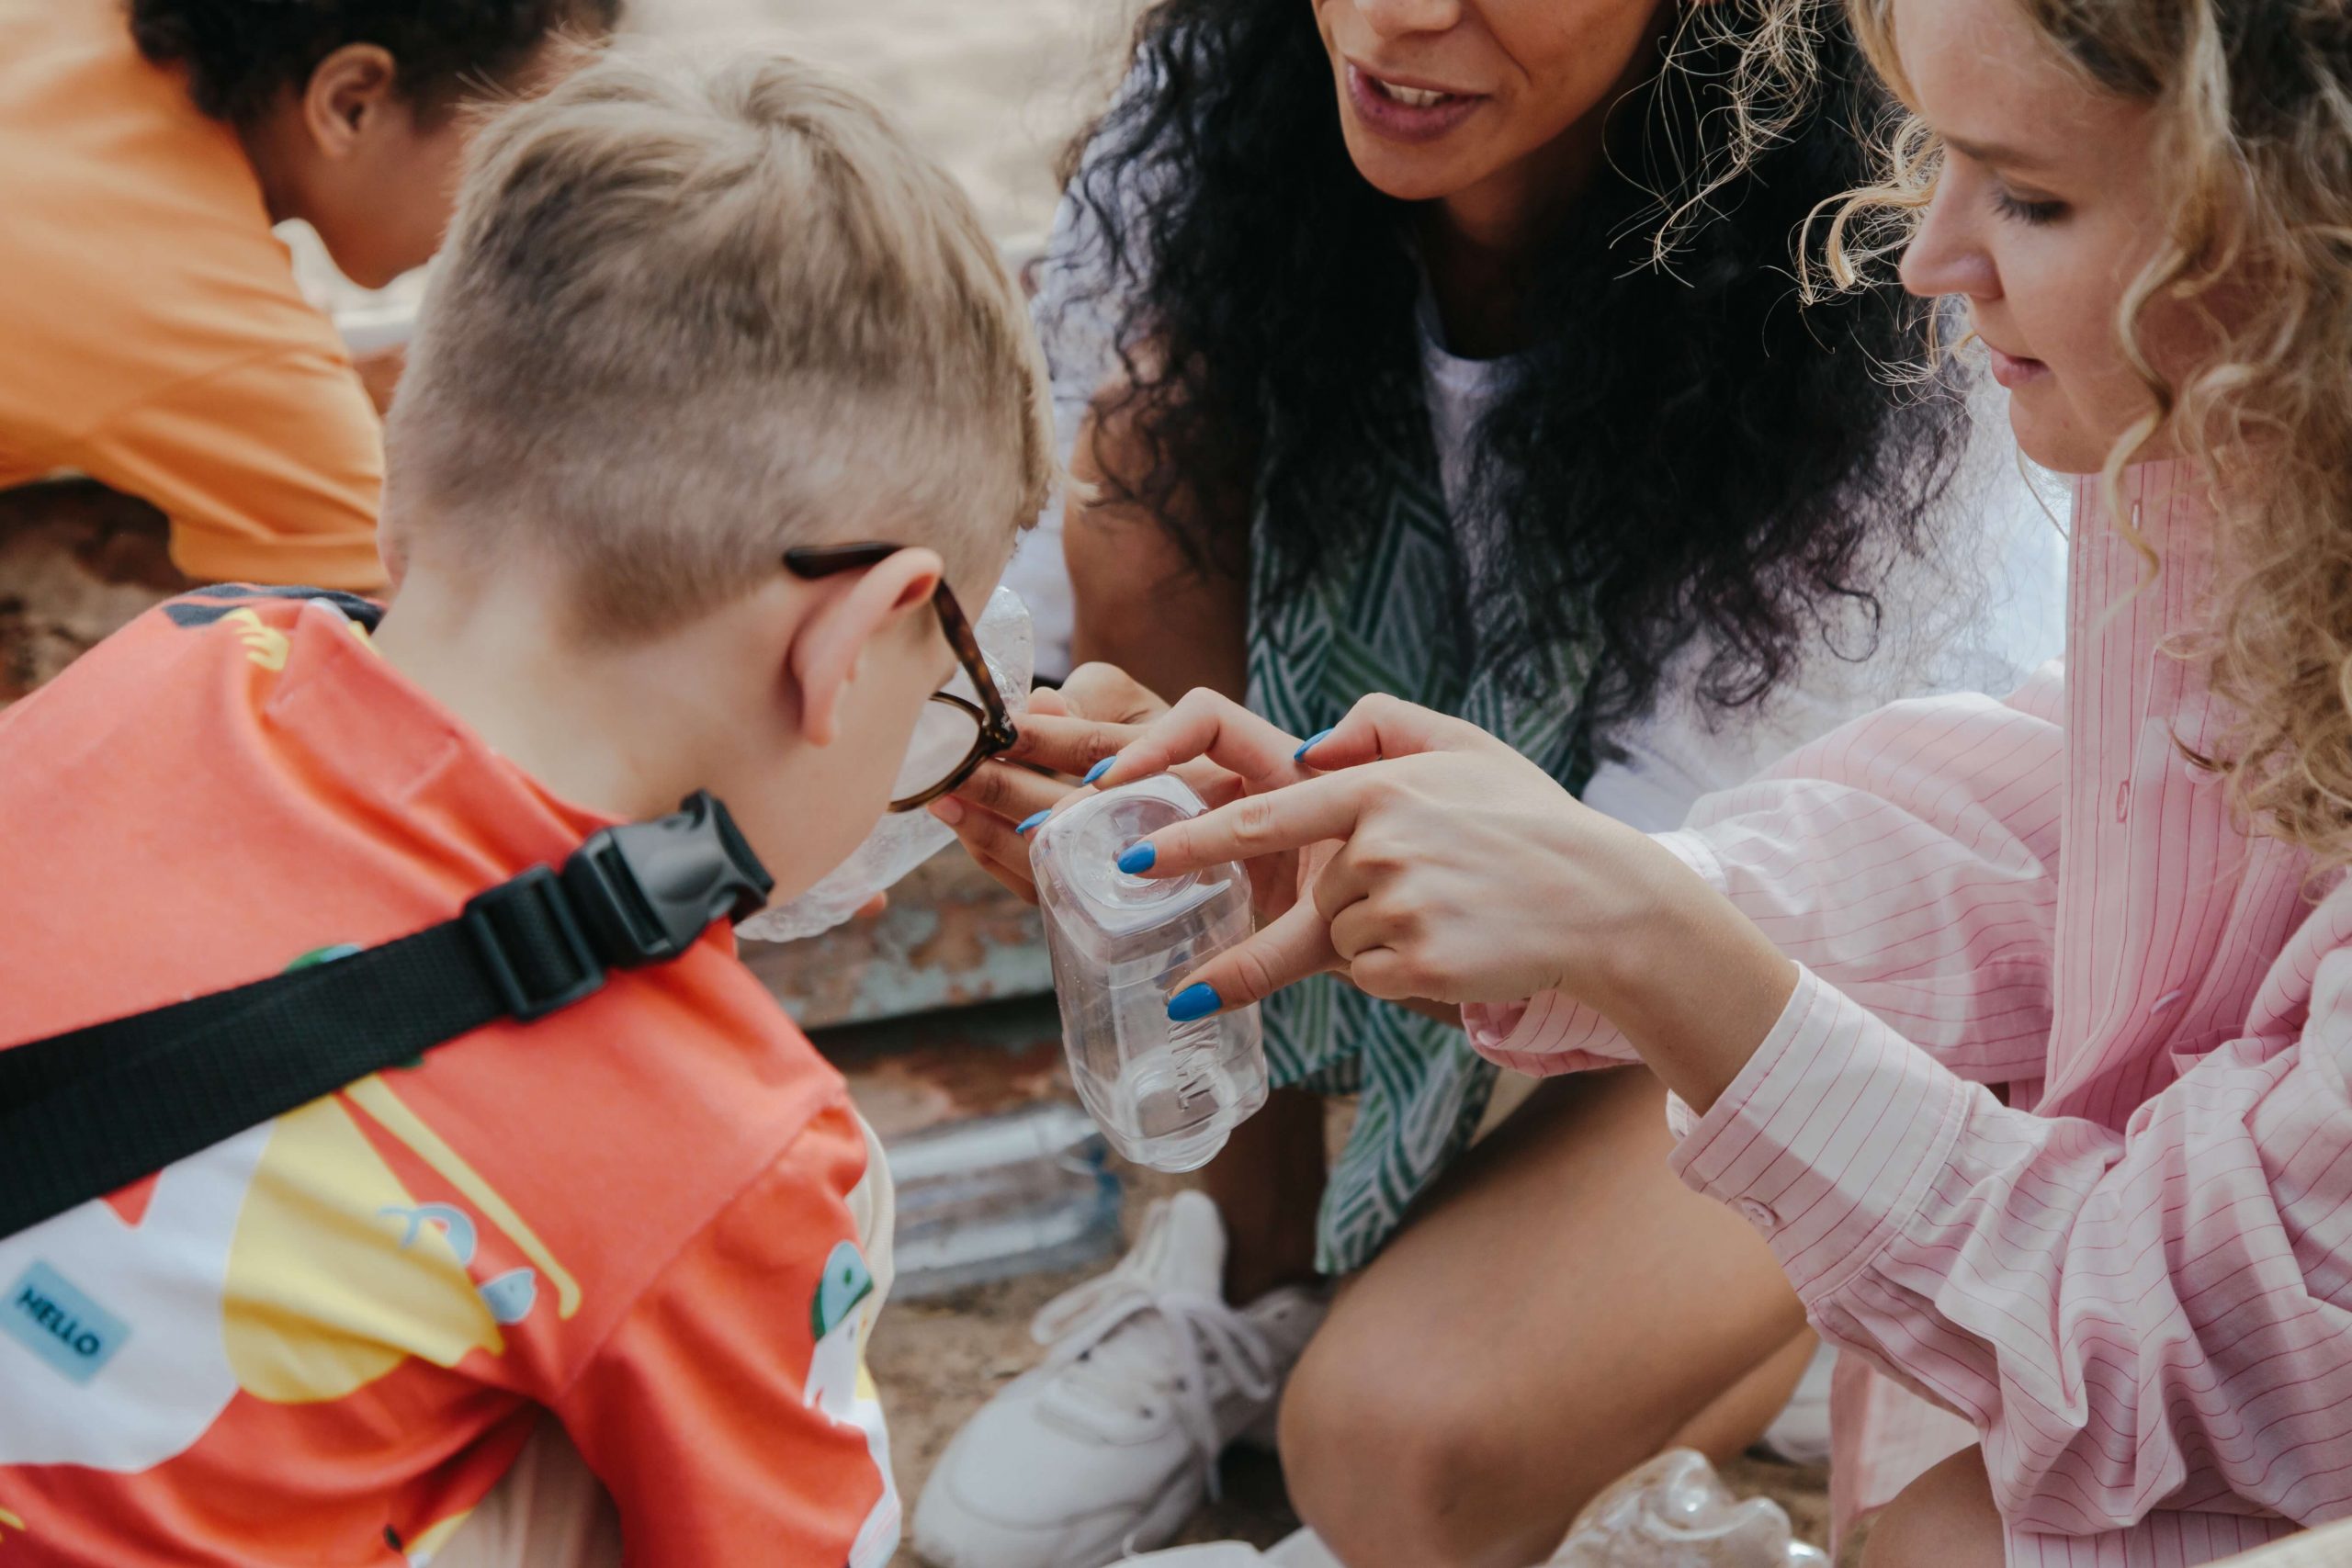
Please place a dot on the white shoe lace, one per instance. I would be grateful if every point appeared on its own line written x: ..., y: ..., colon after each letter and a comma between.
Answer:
x: 1081, y: 1321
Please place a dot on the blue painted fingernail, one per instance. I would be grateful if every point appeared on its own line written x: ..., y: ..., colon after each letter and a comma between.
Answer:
x: 1138, y: 858
x: 1309, y: 744
x: 1028, y: 824
x: 1098, y: 770
x: 1192, y: 1002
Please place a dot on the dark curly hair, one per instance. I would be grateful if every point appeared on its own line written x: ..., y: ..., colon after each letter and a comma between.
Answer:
x: 239, y: 54
x: 1681, y: 452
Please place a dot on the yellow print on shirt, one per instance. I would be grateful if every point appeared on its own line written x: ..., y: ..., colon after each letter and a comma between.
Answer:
x: 264, y: 644
x: 337, y: 1274
x: 373, y: 1095
x: 321, y: 1300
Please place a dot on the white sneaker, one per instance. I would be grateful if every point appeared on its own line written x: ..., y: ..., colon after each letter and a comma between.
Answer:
x: 1110, y: 1445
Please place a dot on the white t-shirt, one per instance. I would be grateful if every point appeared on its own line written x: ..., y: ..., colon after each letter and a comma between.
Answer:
x: 1985, y: 610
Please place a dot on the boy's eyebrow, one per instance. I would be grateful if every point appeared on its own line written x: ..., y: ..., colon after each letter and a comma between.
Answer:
x: 1995, y: 152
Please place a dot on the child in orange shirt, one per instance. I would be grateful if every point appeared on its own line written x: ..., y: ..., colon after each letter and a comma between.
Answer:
x: 151, y: 333
x: 698, y: 327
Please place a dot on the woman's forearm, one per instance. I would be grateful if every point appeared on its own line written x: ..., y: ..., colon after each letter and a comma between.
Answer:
x: 1695, y: 987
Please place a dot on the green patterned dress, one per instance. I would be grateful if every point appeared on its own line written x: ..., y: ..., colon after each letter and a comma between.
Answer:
x: 1386, y: 617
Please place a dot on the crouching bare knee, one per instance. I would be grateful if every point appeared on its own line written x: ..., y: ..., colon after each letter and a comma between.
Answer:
x: 1393, y: 1470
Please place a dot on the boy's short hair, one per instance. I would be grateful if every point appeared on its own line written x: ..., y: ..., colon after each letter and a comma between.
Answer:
x: 241, y: 54
x: 691, y: 313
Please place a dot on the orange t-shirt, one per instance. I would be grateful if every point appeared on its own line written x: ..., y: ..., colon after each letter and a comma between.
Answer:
x: 322, y: 1341
x: 151, y: 333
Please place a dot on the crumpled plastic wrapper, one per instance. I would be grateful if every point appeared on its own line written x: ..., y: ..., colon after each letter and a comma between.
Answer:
x: 904, y: 839
x: 1676, y: 1512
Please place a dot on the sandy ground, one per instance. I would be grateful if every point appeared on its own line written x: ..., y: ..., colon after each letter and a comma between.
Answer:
x: 992, y: 89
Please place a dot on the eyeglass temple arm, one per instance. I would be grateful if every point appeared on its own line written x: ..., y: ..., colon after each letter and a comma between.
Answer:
x: 828, y: 560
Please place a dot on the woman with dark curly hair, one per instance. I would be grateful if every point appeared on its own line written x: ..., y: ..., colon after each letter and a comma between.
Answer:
x: 151, y: 336
x: 1379, y: 387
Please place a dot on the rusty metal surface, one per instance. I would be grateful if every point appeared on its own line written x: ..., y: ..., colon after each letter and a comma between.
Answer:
x: 951, y: 937
x: 912, y: 1074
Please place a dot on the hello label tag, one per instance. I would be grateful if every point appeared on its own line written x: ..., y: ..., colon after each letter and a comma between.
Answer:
x: 58, y: 1322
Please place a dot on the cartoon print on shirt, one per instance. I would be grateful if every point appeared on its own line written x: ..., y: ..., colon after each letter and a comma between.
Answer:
x: 429, y: 1177
x: 328, y: 1271
x: 375, y: 1095
x: 510, y: 1296
x: 425, y: 1547
x: 264, y: 644
x: 839, y: 1385
x: 834, y: 1366
x: 203, y: 606
x: 172, y: 1377
x: 321, y: 1298
x: 457, y: 1227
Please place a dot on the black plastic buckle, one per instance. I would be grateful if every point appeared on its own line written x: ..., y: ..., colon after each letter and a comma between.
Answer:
x: 647, y: 891
x: 534, y: 901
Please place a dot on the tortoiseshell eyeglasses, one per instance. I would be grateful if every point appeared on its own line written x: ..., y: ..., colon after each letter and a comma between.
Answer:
x: 955, y: 734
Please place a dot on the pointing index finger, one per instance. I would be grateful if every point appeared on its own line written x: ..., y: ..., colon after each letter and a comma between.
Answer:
x: 1288, y: 819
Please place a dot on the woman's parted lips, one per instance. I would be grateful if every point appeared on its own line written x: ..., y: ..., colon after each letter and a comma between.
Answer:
x: 2012, y: 370
x: 1382, y: 77
x: 1407, y: 108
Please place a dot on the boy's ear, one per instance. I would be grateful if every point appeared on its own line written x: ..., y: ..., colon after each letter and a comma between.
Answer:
x: 350, y: 86
x: 845, y: 614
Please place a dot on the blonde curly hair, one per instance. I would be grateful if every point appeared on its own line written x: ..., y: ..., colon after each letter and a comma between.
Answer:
x: 2253, y: 99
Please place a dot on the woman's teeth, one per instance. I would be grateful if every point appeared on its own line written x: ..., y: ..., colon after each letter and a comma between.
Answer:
x: 1411, y: 98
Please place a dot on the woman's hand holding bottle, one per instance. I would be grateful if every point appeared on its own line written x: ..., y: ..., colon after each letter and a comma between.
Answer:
x: 1071, y: 733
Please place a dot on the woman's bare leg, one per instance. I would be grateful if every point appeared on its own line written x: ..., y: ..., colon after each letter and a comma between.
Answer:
x: 1561, y: 1309
x: 1738, y: 1417
x: 1944, y: 1520
x: 1268, y: 1183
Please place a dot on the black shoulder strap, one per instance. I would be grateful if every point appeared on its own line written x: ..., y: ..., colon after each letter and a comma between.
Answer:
x: 85, y: 1112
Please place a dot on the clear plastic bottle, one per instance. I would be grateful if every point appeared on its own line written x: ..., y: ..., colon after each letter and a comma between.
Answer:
x: 1166, y: 1094
x: 992, y: 1197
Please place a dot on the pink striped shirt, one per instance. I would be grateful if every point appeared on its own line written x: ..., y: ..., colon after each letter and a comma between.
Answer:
x: 2060, y: 1141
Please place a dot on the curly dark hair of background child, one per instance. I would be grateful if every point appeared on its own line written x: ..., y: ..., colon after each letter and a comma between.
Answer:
x: 239, y: 54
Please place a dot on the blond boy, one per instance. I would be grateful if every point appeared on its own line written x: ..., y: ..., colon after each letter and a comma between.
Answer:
x: 692, y: 317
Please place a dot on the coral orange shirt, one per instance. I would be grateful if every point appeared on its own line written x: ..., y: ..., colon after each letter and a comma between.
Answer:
x: 322, y: 1341
x: 151, y: 333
